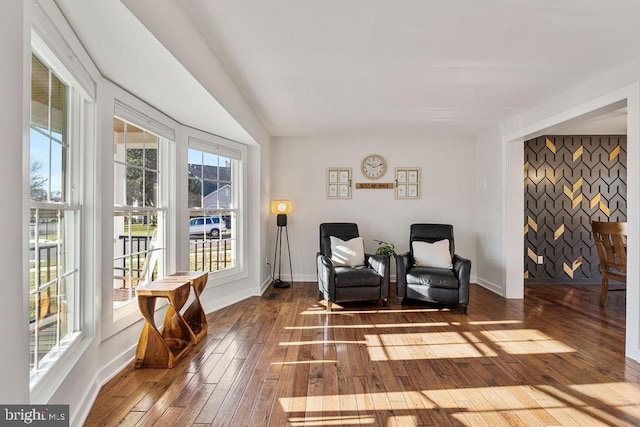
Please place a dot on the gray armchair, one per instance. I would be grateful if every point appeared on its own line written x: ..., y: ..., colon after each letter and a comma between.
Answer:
x: 429, y: 283
x: 349, y: 283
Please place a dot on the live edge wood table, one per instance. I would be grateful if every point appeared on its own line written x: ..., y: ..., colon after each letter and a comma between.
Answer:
x: 194, y: 315
x: 163, y: 349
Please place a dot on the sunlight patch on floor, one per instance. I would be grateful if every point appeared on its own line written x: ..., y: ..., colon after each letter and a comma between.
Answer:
x: 331, y: 421
x: 304, y: 362
x: 526, y: 341
x: 495, y: 322
x: 612, y: 394
x: 416, y: 346
x: 323, y: 342
x: 373, y: 326
x: 338, y: 310
x: 538, y: 404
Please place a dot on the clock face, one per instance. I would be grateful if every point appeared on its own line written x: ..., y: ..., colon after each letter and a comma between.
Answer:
x: 374, y: 166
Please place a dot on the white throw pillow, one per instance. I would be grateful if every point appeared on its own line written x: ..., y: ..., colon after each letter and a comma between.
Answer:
x: 434, y: 254
x: 347, y: 253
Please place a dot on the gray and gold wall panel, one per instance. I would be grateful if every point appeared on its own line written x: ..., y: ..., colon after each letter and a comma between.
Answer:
x: 570, y: 181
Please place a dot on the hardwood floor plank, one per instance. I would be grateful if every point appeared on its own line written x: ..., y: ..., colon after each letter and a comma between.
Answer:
x: 227, y: 358
x: 239, y: 386
x: 169, y: 392
x: 554, y: 358
x: 344, y: 373
x: 330, y: 390
x: 364, y: 400
x: 210, y: 409
x: 264, y: 404
x: 131, y: 419
x: 132, y: 402
x: 284, y: 366
x: 417, y: 402
x: 281, y: 412
x: 169, y: 417
x: 196, y: 403
x: 315, y: 384
x: 101, y: 415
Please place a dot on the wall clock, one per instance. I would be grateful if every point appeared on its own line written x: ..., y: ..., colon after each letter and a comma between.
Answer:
x: 374, y: 166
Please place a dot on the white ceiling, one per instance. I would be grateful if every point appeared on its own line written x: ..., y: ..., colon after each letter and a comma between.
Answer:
x: 611, y: 123
x: 324, y: 67
x: 311, y: 67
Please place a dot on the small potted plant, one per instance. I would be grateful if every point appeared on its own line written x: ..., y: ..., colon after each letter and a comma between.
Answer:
x: 385, y: 248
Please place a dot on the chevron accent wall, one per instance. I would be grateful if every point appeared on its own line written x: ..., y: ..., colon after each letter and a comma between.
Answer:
x: 570, y: 181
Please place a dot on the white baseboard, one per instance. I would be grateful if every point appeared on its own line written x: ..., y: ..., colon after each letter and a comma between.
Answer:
x: 265, y: 285
x: 102, y: 377
x: 490, y: 286
x: 214, y: 304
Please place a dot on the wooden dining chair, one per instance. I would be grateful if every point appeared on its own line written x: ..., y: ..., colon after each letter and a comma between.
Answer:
x: 611, y: 242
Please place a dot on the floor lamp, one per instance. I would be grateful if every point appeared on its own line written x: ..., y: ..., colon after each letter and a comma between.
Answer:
x: 282, y: 208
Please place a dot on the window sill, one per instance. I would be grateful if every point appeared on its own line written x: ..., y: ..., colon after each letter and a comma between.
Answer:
x: 56, y: 367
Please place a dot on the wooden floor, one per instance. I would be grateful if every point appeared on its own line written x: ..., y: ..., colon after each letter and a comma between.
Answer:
x: 554, y: 358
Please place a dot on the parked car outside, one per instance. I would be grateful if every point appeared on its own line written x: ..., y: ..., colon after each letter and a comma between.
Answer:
x: 212, y: 226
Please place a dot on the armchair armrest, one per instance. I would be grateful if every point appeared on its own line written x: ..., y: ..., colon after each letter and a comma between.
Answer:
x: 462, y: 268
x: 326, y: 275
x: 326, y: 269
x: 381, y: 265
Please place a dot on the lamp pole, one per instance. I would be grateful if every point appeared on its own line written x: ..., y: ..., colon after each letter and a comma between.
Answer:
x: 282, y: 224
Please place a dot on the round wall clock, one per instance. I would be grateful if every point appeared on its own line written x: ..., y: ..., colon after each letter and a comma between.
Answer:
x: 374, y: 166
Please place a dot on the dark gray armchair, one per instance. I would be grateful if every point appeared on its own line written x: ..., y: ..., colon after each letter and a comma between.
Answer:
x: 350, y: 283
x: 429, y: 283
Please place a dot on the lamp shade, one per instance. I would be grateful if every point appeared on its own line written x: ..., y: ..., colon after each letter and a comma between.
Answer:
x: 281, y: 207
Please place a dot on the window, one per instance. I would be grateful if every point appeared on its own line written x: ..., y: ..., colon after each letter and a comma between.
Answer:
x: 54, y: 222
x: 138, y: 217
x: 213, y: 206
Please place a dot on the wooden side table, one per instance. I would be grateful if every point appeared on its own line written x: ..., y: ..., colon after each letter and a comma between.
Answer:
x: 194, y: 315
x: 163, y: 349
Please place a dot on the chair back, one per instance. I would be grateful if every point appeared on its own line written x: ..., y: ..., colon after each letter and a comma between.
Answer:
x: 431, y: 233
x: 341, y: 230
x: 611, y: 243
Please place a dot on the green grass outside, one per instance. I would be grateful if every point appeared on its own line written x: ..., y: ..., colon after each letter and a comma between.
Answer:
x: 140, y: 230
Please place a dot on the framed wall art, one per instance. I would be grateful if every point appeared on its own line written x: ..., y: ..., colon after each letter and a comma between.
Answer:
x: 407, y: 183
x: 338, y: 183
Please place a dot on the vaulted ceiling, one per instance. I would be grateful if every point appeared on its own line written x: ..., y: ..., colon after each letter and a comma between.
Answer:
x: 310, y: 67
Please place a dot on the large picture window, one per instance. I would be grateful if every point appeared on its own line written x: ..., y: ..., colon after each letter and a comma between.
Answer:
x: 213, y: 207
x: 54, y: 221
x: 138, y: 216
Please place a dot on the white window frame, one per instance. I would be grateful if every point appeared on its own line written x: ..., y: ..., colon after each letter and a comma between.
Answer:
x: 53, y: 42
x: 160, y: 210
x: 203, y: 141
x: 70, y: 204
x: 116, y: 102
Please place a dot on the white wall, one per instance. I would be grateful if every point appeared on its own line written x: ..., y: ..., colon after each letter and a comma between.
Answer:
x: 14, y: 369
x: 490, y: 211
x: 448, y: 167
x: 264, y: 211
